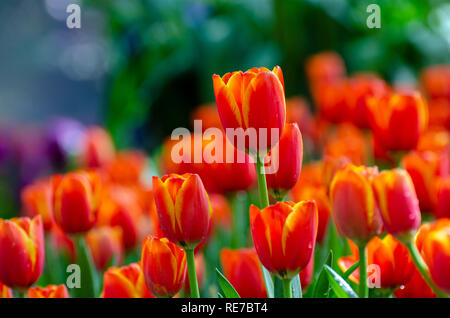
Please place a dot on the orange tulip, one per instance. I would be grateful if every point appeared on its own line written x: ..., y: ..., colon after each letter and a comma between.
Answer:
x: 164, y: 266
x: 396, y: 266
x: 397, y: 200
x: 398, y: 120
x: 298, y: 111
x: 416, y: 287
x: 5, y: 292
x: 75, y: 200
x: 21, y: 251
x: 424, y: 168
x: 329, y: 97
x: 436, y: 81
x: 127, y: 167
x: 105, y: 244
x: 434, y: 139
x: 252, y: 99
x: 353, y: 202
x: 286, y: 158
x: 325, y: 67
x: 50, y: 291
x: 37, y: 200
x: 433, y: 241
x: 284, y: 235
x: 439, y: 112
x: 209, y: 116
x: 125, y: 282
x: 97, y: 148
x: 221, y: 211
x: 242, y: 269
x: 183, y: 208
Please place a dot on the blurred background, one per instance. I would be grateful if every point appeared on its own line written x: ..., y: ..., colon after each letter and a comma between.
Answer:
x: 139, y: 67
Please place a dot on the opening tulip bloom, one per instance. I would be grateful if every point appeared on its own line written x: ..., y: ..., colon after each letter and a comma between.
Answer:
x: 353, y: 203
x: 50, y: 291
x: 183, y: 208
x: 397, y: 200
x: 21, y: 251
x: 252, y: 99
x: 287, y: 155
x: 125, y: 282
x: 284, y: 235
x: 164, y: 266
x: 242, y: 269
x: 75, y: 200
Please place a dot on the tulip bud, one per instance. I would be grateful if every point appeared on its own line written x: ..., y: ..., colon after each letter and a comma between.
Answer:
x: 164, y: 266
x: 125, y: 282
x: 242, y: 269
x: 353, y: 203
x: 252, y: 99
x: 284, y: 235
x: 50, y: 291
x: 97, y: 148
x: 105, y: 245
x: 397, y: 200
x: 183, y: 208
x: 37, y: 200
x: 21, y: 251
x: 286, y: 159
x: 75, y: 200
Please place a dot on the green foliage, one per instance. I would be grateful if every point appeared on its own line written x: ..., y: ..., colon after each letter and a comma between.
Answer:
x: 227, y: 288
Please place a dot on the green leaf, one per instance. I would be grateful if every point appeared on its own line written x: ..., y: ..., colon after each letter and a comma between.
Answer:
x: 219, y: 295
x: 349, y: 271
x: 322, y: 286
x: 296, y: 287
x: 88, y: 273
x: 268, y: 282
x: 227, y: 288
x: 339, y: 285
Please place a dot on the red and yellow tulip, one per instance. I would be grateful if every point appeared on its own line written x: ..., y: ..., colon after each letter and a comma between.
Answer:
x: 105, y: 245
x: 37, y: 200
x: 50, y: 291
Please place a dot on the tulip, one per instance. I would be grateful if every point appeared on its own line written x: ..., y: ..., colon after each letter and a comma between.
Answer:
x: 443, y: 198
x: 183, y: 208
x: 436, y: 81
x: 325, y: 67
x: 37, y: 200
x: 164, y: 266
x: 435, y: 139
x: 252, y: 99
x: 284, y: 235
x: 353, y: 203
x: 397, y: 200
x: 396, y: 266
x: 105, y: 245
x: 286, y: 159
x: 398, y: 120
x: 21, y: 251
x: 424, y: 168
x: 433, y: 241
x: 306, y: 275
x: 416, y: 287
x: 75, y: 200
x: 97, y: 148
x: 221, y: 211
x: 126, y: 168
x: 242, y: 269
x: 298, y: 111
x: 50, y: 291
x: 208, y: 115
x: 439, y: 112
x: 125, y: 282
x: 329, y: 97
x: 5, y: 292
x: 63, y: 243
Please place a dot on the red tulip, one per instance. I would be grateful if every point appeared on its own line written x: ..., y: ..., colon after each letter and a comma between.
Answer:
x: 284, y: 235
x: 21, y: 251
x: 164, y: 266
x: 183, y: 208
x: 97, y: 148
x: 50, y: 291
x: 105, y: 245
x: 127, y: 167
x: 443, y: 198
x: 416, y: 287
x: 37, y: 200
x: 325, y: 67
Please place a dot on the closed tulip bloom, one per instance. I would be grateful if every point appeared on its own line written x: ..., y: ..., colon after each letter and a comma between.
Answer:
x: 105, y: 245
x: 284, y: 235
x: 397, y: 200
x: 37, y: 200
x: 443, y: 198
x: 50, y: 291
x: 97, y: 148
x: 183, y: 208
x: 416, y: 287
x: 125, y: 282
x: 5, y: 291
x: 398, y: 120
x: 285, y: 160
x: 433, y: 241
x: 354, y: 207
x: 75, y: 201
x: 252, y: 99
x: 242, y: 269
x: 164, y: 266
x: 395, y: 264
x: 21, y: 251
x: 325, y: 67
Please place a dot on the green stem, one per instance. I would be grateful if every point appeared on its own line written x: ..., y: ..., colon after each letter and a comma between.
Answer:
x: 350, y: 271
x: 238, y: 235
x: 192, y: 273
x: 363, y: 290
x: 20, y: 292
x: 423, y: 268
x: 87, y: 270
x: 287, y: 290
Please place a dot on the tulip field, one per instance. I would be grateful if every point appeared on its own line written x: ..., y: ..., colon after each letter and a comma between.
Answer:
x: 343, y: 193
